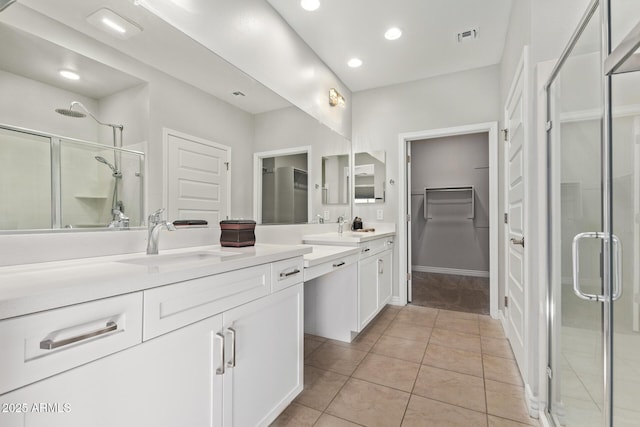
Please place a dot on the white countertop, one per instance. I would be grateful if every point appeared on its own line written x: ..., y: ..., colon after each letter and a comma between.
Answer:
x: 30, y: 288
x: 326, y: 253
x: 348, y: 238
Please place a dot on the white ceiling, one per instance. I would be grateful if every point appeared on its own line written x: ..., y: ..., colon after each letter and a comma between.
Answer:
x: 342, y: 29
x: 159, y: 45
x: 37, y: 59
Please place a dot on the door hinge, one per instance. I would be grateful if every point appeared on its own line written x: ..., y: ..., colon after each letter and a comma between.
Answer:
x: 408, y: 158
x: 408, y: 276
x: 506, y: 301
x: 408, y: 217
x: 549, y: 372
x: 506, y: 218
x: 505, y: 133
x: 548, y: 126
x: 227, y: 165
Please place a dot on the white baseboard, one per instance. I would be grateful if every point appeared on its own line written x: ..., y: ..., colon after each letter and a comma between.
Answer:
x: 532, y: 402
x: 444, y: 270
x: 396, y: 301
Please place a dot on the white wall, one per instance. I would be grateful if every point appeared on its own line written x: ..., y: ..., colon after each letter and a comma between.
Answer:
x: 380, y: 115
x: 449, y: 239
x: 252, y: 36
x: 30, y: 104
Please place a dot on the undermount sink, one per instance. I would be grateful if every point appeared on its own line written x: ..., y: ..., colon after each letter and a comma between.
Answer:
x: 180, y: 258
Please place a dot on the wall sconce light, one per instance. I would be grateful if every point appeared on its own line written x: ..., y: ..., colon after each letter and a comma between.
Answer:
x: 335, y: 98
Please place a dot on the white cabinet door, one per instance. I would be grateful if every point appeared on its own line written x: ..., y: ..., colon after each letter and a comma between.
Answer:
x: 385, y: 279
x: 367, y: 290
x: 268, y: 358
x: 165, y: 382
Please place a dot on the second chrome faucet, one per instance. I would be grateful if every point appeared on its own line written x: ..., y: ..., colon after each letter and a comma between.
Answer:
x: 155, y: 224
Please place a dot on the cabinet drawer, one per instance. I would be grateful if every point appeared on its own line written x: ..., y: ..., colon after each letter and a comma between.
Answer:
x: 40, y: 345
x: 174, y: 306
x: 373, y: 247
x: 328, y: 267
x: 287, y: 272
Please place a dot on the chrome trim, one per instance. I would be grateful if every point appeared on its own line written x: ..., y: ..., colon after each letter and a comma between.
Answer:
x: 52, y: 345
x: 232, y: 362
x: 607, y: 206
x: 515, y: 241
x: 284, y: 275
x: 623, y: 58
x: 220, y: 368
x: 575, y: 261
x: 584, y: 21
x: 56, y: 183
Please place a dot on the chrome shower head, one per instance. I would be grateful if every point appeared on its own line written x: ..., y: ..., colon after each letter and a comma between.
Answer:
x: 116, y: 172
x: 70, y: 113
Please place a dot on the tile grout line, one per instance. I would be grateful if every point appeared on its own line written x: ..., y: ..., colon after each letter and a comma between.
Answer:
x: 351, y: 376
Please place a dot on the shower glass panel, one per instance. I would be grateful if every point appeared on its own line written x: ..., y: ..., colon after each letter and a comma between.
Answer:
x: 625, y: 182
x: 94, y: 180
x: 576, y: 396
x: 25, y: 181
x: 626, y: 226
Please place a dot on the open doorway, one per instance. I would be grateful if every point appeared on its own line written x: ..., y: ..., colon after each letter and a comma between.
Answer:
x: 450, y: 208
x: 450, y: 222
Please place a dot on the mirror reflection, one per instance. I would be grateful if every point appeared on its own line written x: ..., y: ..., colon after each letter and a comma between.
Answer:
x: 335, y: 180
x: 369, y: 175
x: 131, y: 83
x: 285, y: 193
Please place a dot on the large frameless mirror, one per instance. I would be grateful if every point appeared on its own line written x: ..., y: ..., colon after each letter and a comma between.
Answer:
x: 129, y: 83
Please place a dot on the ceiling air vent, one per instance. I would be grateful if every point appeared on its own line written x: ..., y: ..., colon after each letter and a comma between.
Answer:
x: 468, y: 35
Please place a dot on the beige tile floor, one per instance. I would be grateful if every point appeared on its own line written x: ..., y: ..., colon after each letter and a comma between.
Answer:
x: 412, y: 366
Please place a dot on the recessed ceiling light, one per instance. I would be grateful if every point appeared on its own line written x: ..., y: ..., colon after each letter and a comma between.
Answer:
x: 310, y: 5
x: 115, y: 27
x: 354, y: 62
x: 67, y: 74
x: 393, y: 33
x: 110, y: 22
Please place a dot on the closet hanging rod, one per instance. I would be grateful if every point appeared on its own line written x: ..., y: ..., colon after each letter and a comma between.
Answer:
x: 443, y: 189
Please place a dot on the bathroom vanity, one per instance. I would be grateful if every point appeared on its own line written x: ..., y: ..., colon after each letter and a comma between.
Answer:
x: 200, y: 337
x: 341, y: 306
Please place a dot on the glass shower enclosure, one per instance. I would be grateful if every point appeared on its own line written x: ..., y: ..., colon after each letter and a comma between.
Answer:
x: 593, y: 305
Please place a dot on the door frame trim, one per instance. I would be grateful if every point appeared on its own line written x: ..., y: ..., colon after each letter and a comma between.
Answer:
x: 165, y: 164
x: 403, y: 139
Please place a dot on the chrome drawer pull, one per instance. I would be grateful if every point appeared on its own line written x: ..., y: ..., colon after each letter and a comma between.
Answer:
x: 366, y: 250
x: 220, y: 369
x: 291, y: 273
x: 50, y: 345
x: 232, y: 363
x: 339, y: 264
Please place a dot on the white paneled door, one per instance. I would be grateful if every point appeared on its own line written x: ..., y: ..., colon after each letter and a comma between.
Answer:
x: 197, y: 178
x: 515, y: 135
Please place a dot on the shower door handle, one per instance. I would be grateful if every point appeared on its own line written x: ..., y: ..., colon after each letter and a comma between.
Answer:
x: 617, y: 262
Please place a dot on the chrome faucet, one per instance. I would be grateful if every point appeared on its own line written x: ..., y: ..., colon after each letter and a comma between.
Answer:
x: 155, y: 225
x: 320, y: 219
x: 120, y: 220
x: 341, y: 222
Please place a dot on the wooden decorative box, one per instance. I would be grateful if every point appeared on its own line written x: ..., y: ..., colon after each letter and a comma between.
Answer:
x: 237, y: 233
